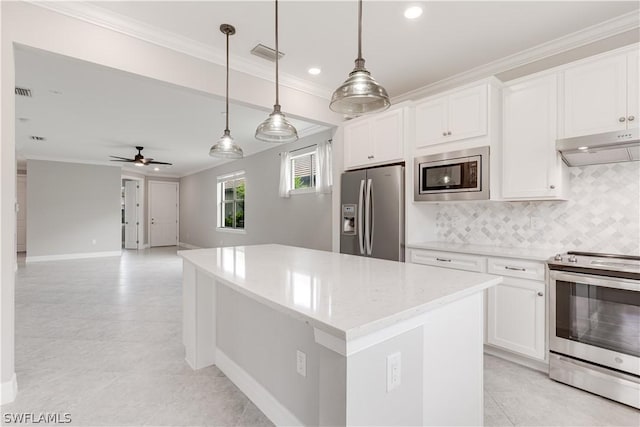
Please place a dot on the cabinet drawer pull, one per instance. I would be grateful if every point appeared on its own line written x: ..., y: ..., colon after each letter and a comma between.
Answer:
x: 370, y: 157
x: 506, y: 267
x: 443, y: 259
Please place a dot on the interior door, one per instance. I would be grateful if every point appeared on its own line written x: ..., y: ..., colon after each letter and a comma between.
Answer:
x: 21, y: 215
x: 131, y: 215
x: 386, y: 220
x: 163, y: 212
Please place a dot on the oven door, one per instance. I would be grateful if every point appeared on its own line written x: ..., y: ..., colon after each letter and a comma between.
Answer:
x: 596, y: 319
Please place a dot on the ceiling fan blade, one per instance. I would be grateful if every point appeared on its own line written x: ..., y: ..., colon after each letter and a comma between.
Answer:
x: 146, y: 160
x: 122, y: 158
x: 160, y: 163
x: 123, y: 161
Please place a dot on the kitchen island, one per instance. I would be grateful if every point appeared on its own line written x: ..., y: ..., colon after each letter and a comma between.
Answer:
x: 321, y: 338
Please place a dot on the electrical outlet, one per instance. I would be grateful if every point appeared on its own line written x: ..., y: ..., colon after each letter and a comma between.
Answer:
x: 301, y: 363
x: 394, y: 371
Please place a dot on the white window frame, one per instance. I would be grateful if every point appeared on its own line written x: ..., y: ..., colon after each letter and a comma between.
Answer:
x: 311, y: 151
x: 219, y: 200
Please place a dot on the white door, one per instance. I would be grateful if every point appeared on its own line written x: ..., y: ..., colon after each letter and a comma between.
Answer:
x: 21, y: 215
x: 131, y: 215
x: 595, y: 97
x: 468, y: 113
x: 431, y: 122
x: 516, y: 316
x: 387, y: 136
x: 357, y: 144
x: 163, y: 213
x: 529, y: 137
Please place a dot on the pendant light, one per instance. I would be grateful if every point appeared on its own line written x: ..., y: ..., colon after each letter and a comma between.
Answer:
x: 276, y: 128
x: 360, y: 93
x: 226, y: 147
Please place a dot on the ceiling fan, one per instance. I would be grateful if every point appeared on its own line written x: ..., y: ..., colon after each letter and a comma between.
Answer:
x: 139, y: 159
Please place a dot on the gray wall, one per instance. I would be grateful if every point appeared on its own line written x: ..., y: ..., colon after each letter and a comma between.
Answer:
x: 301, y: 220
x: 70, y: 205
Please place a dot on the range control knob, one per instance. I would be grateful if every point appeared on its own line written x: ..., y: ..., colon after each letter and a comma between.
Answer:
x: 558, y: 257
x: 573, y: 258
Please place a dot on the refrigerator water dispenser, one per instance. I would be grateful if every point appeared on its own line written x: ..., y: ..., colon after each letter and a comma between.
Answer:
x: 349, y: 219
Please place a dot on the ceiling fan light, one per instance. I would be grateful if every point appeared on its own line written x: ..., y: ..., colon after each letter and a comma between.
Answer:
x: 276, y: 128
x: 359, y: 94
x: 226, y: 148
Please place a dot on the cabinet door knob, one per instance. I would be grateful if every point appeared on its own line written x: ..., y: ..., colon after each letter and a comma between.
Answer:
x: 631, y: 118
x: 449, y: 133
x: 369, y: 157
x: 622, y: 119
x: 553, y: 187
x: 444, y: 134
x: 540, y: 294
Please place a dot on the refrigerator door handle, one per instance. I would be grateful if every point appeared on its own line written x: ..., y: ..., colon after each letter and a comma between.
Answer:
x: 368, y: 208
x: 360, y: 218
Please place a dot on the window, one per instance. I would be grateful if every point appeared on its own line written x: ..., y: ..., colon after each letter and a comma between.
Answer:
x: 303, y: 171
x: 231, y: 190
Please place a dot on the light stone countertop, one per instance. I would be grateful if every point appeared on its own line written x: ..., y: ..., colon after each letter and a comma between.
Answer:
x: 487, y: 250
x: 347, y: 296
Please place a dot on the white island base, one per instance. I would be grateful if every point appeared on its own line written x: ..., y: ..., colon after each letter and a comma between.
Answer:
x: 255, y: 331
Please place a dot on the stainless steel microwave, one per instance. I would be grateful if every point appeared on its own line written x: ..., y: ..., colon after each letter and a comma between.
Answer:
x: 456, y: 175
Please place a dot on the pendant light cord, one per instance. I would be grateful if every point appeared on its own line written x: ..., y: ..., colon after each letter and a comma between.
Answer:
x: 359, y: 30
x: 227, y: 115
x: 277, y: 58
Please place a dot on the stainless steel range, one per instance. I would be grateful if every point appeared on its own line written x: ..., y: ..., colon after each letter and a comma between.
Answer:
x: 594, y: 332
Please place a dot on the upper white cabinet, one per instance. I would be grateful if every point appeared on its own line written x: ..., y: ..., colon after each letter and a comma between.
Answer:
x: 531, y: 167
x: 376, y: 139
x: 600, y: 95
x: 458, y: 115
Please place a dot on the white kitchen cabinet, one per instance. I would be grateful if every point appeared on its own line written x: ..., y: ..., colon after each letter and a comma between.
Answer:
x: 516, y: 316
x: 532, y: 169
x: 373, y: 140
x: 600, y: 95
x: 458, y: 115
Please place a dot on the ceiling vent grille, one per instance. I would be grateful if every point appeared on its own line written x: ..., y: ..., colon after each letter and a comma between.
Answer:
x: 23, y: 91
x: 265, y: 52
x: 38, y: 138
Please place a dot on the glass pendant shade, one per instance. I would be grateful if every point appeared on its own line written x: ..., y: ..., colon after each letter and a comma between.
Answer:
x: 226, y: 148
x: 359, y: 94
x: 276, y: 128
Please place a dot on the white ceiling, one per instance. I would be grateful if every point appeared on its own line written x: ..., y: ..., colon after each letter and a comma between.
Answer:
x: 88, y: 112
x: 101, y: 112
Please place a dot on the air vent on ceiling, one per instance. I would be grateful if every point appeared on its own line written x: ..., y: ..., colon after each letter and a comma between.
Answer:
x: 265, y: 52
x: 23, y: 91
x: 38, y: 138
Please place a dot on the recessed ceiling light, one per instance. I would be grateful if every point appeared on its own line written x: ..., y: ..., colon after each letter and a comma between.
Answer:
x: 156, y: 169
x: 583, y: 148
x: 413, y: 12
x: 314, y: 71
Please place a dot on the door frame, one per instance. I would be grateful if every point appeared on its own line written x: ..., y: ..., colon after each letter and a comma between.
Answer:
x: 177, y: 183
x: 141, y: 207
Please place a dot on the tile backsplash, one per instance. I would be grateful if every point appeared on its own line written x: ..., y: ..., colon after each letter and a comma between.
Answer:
x: 601, y: 215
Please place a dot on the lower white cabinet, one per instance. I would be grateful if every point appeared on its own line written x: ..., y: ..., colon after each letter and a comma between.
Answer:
x: 516, y: 316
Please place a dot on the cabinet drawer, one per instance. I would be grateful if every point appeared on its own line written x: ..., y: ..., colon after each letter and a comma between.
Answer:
x: 449, y: 260
x: 519, y: 268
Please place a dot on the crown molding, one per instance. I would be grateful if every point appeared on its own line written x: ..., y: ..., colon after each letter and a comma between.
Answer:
x: 134, y: 28
x: 594, y: 33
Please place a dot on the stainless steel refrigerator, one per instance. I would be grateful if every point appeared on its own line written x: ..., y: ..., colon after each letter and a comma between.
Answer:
x: 372, y: 213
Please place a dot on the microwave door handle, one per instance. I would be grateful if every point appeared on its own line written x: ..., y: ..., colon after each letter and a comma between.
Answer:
x: 368, y: 207
x: 361, y: 217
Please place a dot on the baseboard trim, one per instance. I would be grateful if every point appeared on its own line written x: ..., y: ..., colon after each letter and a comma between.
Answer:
x: 188, y: 245
x: 264, y: 400
x: 9, y: 390
x: 63, y: 257
x: 538, y: 365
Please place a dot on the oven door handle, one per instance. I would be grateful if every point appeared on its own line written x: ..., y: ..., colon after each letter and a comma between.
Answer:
x: 591, y: 279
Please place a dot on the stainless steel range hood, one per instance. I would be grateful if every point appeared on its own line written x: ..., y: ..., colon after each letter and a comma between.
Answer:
x: 610, y: 147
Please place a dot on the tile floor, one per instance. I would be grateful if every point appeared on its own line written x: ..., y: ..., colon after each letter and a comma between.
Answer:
x: 101, y: 340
